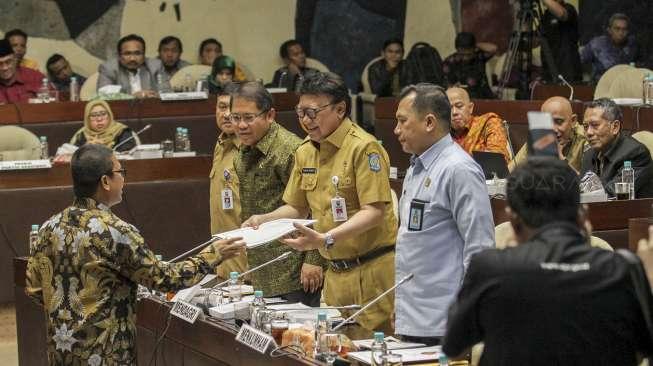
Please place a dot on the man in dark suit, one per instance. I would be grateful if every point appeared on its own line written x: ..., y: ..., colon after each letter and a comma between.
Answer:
x: 553, y: 299
x: 135, y: 73
x: 611, y: 147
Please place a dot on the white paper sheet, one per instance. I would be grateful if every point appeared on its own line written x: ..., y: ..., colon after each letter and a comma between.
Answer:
x: 265, y: 233
x: 407, y: 355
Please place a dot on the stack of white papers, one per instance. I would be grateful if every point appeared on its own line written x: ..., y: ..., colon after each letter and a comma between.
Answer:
x: 299, y: 313
x: 268, y: 232
x: 392, y: 342
x: 407, y: 355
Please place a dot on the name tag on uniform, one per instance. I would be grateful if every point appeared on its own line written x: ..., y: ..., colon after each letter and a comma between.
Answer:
x: 338, y: 209
x: 416, y: 215
x: 227, y: 199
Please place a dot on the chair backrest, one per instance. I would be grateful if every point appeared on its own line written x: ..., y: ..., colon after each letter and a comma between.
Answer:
x: 315, y: 64
x: 88, y: 90
x: 646, y: 138
x: 196, y: 72
x: 365, y: 80
x: 505, y: 238
x: 17, y: 143
x: 602, y: 89
x: 629, y: 84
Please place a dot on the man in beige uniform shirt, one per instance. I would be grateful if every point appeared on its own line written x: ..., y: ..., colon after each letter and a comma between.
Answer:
x: 571, y: 136
x: 224, y: 197
x: 341, y: 176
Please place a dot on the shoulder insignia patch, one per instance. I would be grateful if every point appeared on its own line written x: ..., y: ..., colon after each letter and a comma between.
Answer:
x: 375, y: 162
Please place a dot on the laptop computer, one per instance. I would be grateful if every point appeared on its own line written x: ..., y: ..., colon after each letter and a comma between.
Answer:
x: 492, y: 163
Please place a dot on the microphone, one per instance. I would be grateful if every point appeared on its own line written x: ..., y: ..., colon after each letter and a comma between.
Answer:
x: 188, y: 252
x: 571, y: 96
x: 133, y: 136
x: 279, y: 258
x: 345, y: 307
x: 376, y: 299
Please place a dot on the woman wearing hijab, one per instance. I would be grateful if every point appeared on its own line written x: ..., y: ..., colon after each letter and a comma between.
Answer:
x: 101, y: 128
x: 222, y: 73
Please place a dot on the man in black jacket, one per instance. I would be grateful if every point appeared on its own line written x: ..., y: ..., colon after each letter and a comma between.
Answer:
x: 553, y: 299
x: 390, y: 74
x: 610, y: 148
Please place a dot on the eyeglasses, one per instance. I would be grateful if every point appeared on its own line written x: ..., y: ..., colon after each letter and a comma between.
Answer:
x: 98, y: 114
x: 131, y: 53
x: 122, y: 172
x: 310, y: 112
x: 247, y: 118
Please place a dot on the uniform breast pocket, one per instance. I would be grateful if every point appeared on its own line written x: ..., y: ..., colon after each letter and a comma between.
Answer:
x: 308, y: 182
x: 347, y: 190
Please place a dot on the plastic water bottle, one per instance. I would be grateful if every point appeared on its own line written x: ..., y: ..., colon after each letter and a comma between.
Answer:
x: 45, y: 152
x: 628, y: 176
x: 283, y: 79
x: 320, y: 328
x: 74, y: 89
x: 255, y: 307
x: 443, y: 360
x: 44, y: 91
x: 179, y: 139
x: 379, y: 349
x: 234, y: 287
x: 33, y: 236
x: 186, y: 136
x: 161, y: 83
x: 647, y: 89
x: 188, y: 83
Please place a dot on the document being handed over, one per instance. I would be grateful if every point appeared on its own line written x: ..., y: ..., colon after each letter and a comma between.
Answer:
x: 266, y: 232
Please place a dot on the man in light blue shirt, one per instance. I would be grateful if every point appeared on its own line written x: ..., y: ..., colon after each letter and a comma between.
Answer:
x: 445, y: 215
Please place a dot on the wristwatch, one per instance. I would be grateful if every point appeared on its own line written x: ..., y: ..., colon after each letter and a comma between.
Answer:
x: 329, y: 240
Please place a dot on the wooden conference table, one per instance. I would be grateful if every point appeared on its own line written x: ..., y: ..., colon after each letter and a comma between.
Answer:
x: 59, y: 121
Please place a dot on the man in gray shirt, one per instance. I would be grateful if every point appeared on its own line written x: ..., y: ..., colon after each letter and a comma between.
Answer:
x: 444, y: 212
x: 135, y: 73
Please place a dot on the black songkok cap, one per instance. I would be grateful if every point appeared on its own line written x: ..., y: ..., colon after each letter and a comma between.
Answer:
x: 5, y: 48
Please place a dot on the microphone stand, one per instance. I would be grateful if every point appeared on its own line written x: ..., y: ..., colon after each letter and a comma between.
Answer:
x: 281, y: 257
x: 571, y: 96
x: 201, y: 246
x: 354, y: 315
x: 133, y: 136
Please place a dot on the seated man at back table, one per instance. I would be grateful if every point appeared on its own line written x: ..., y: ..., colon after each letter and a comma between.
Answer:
x: 17, y: 84
x: 476, y: 133
x: 18, y: 40
x: 135, y: 73
x: 570, y: 134
x: 611, y: 147
x: 60, y: 73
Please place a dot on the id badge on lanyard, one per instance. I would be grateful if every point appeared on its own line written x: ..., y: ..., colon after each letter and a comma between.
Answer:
x: 227, y: 194
x: 338, y: 204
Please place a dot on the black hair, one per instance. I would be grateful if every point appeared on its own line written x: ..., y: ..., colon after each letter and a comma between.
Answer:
x: 611, y: 110
x: 465, y: 40
x: 15, y: 32
x: 130, y: 37
x: 207, y: 42
x: 169, y: 39
x: 283, y: 49
x: 544, y: 190
x: 255, y: 92
x: 329, y: 84
x: 52, y: 60
x: 618, y: 16
x: 430, y: 98
x: 393, y: 41
x: 88, y: 164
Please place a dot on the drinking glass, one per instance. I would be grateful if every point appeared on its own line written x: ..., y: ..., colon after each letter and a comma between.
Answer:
x: 391, y: 359
x: 622, y: 190
x: 330, y: 342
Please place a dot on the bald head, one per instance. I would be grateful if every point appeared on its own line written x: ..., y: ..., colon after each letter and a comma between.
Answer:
x: 564, y: 119
x: 461, y: 109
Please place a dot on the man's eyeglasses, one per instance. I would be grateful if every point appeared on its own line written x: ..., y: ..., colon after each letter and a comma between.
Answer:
x: 132, y: 53
x: 247, y: 118
x: 98, y: 114
x: 311, y: 113
x: 122, y: 172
